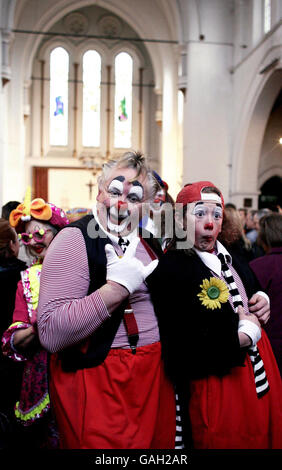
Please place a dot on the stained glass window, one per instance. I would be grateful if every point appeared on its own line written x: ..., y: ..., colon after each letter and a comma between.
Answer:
x: 59, y: 71
x: 267, y: 15
x: 91, y: 99
x: 123, y: 100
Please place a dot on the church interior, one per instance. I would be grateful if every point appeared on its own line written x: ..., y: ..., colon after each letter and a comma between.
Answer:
x: 195, y: 85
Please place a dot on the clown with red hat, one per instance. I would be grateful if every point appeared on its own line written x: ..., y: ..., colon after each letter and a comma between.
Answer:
x: 36, y: 223
x: 211, y: 312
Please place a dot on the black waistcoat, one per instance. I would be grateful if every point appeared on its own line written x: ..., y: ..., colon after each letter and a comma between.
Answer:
x: 100, y: 342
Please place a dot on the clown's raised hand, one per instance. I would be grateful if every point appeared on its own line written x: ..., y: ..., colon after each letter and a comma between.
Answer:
x: 128, y: 270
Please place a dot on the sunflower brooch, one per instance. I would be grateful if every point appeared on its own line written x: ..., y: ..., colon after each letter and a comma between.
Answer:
x: 214, y: 292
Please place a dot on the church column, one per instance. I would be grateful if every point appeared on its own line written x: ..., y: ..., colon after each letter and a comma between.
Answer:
x: 108, y: 111
x: 6, y: 39
x: 75, y: 109
x: 207, y: 115
x: 42, y: 65
x: 140, y: 111
x: 170, y: 167
x: 14, y: 184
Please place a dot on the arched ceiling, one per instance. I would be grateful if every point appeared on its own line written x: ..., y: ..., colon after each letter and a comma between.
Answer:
x: 156, y: 21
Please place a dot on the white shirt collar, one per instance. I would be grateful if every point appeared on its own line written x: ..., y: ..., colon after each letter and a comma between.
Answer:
x: 211, y: 260
x: 114, y: 239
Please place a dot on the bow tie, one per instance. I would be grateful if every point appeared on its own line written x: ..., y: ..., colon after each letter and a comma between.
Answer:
x: 123, y: 244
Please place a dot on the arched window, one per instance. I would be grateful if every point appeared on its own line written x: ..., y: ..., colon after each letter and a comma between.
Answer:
x: 267, y: 15
x: 59, y: 72
x: 123, y: 100
x: 91, y: 99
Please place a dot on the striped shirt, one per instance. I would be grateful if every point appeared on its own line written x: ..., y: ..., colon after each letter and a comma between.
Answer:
x: 66, y: 314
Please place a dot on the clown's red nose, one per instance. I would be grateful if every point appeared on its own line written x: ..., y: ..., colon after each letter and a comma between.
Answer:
x: 121, y: 205
x: 209, y: 226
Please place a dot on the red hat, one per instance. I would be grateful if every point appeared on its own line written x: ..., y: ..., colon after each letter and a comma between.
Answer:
x: 161, y: 182
x: 192, y: 192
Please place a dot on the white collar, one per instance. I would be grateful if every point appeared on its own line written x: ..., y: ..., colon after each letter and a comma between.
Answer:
x: 113, y: 238
x: 211, y: 260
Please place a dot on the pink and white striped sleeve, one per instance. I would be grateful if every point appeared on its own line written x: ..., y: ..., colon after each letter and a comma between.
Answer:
x: 66, y: 314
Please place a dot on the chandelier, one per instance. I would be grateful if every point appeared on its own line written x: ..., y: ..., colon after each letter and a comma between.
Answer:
x: 94, y: 163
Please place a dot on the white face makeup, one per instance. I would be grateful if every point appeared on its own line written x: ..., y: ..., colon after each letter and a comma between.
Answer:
x: 120, y: 201
x: 159, y: 200
x: 207, y: 219
x: 201, y: 211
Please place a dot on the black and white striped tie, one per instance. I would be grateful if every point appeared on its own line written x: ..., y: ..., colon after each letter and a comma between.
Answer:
x: 261, y: 382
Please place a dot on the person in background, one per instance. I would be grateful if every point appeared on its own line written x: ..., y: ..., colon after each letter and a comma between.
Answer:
x: 7, y: 209
x: 268, y: 270
x: 10, y: 373
x: 154, y: 222
x: 230, y: 205
x: 95, y: 317
x: 258, y: 215
x: 243, y: 214
x: 251, y: 232
x: 210, y: 310
x: 257, y: 248
x: 37, y: 223
x: 233, y: 235
x: 23, y: 254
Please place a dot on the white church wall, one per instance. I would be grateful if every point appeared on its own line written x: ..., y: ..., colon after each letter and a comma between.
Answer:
x: 255, y: 90
x: 207, y: 115
x: 59, y: 182
x: 224, y: 120
x: 40, y: 19
x: 270, y: 163
x: 208, y: 100
x: 15, y: 162
x: 169, y: 168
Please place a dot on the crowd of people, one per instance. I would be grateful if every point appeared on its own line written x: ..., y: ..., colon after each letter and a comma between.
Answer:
x: 143, y: 322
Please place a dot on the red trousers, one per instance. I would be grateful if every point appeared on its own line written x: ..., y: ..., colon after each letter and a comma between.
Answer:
x: 124, y: 403
x: 226, y: 413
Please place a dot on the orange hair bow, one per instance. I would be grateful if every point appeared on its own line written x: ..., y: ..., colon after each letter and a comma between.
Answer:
x: 38, y: 209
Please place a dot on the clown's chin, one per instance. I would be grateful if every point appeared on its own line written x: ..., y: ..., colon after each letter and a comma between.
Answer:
x: 119, y: 227
x: 118, y: 221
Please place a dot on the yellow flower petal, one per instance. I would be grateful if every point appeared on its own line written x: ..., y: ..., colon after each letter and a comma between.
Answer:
x: 204, y: 297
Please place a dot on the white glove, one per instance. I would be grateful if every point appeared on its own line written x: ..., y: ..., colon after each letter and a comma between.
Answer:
x: 128, y: 270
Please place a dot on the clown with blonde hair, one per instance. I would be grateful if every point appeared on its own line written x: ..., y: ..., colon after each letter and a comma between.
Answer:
x: 107, y: 381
